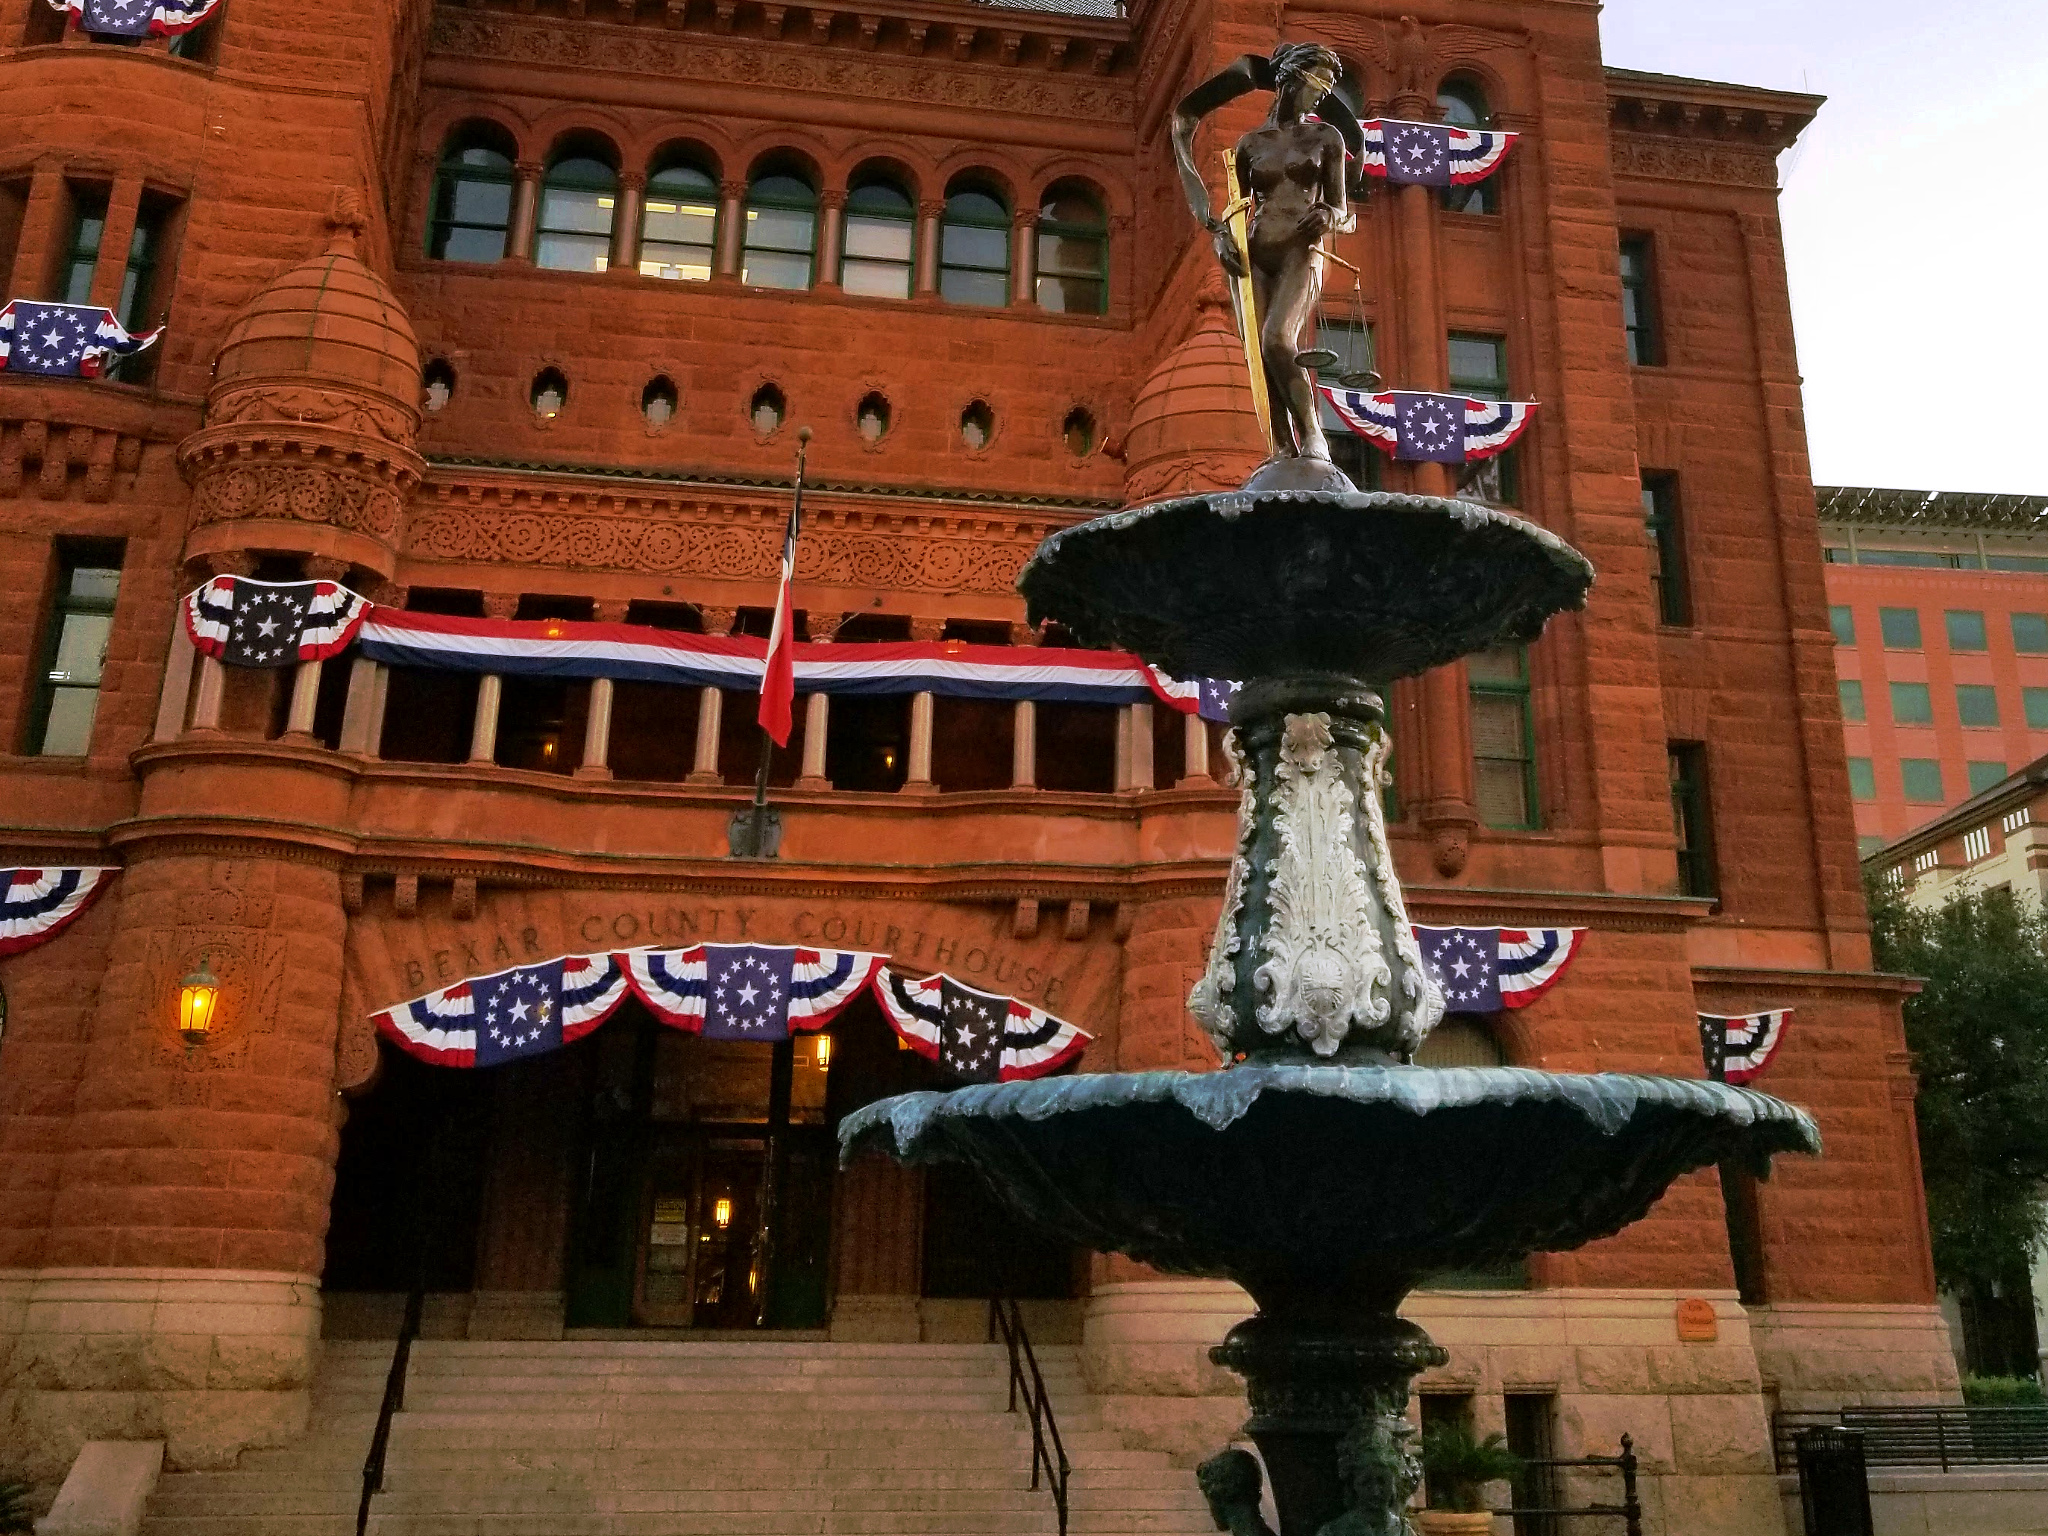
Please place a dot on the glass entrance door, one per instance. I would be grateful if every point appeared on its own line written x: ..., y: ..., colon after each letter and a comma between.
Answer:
x: 705, y: 1238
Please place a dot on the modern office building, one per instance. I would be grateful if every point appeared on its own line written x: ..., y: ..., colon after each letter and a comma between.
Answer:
x: 506, y: 316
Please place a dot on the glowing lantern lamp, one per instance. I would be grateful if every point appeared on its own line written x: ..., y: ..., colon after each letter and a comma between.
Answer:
x: 198, y: 1004
x: 721, y: 1213
x: 821, y: 1051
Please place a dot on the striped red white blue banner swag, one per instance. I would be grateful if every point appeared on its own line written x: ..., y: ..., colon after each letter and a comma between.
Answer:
x: 250, y: 623
x: 1418, y: 426
x: 1431, y: 154
x: 509, y: 1015
x: 137, y: 18
x: 37, y: 904
x: 978, y: 1037
x: 748, y: 991
x: 1483, y: 970
x: 1738, y: 1047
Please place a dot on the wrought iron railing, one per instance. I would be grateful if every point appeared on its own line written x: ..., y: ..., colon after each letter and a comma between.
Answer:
x: 1048, y: 1454
x: 1629, y: 1511
x: 1923, y: 1436
x: 394, y: 1403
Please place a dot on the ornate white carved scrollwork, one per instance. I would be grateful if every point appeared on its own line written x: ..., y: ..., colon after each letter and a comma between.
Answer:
x: 1209, y: 1001
x: 1420, y: 1002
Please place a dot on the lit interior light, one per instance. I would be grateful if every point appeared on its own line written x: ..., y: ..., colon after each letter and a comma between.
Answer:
x: 198, y: 1004
x: 821, y: 1051
x: 721, y: 1213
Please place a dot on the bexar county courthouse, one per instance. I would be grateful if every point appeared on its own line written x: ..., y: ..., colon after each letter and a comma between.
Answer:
x: 513, y: 311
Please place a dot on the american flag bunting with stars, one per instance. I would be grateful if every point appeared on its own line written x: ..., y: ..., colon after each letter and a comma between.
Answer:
x: 249, y: 623
x: 1208, y: 697
x: 36, y: 904
x: 1483, y: 970
x: 509, y: 1015
x: 1432, y: 154
x: 136, y: 18
x: 748, y: 991
x: 1417, y: 426
x: 65, y: 341
x: 976, y: 1036
x: 1736, y: 1049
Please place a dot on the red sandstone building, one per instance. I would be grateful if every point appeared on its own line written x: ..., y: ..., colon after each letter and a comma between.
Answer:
x: 513, y: 311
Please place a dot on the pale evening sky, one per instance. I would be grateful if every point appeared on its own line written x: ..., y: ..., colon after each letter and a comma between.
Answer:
x: 1916, y: 220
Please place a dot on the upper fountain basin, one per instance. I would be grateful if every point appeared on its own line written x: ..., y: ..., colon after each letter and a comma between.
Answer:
x: 1292, y: 1176
x: 1369, y: 584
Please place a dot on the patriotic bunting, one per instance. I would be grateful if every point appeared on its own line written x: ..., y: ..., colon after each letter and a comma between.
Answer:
x: 1737, y: 1049
x: 748, y: 991
x: 1432, y: 154
x: 249, y: 623
x: 1419, y: 427
x: 37, y: 904
x: 509, y: 1015
x: 1208, y: 697
x: 1483, y: 970
x: 69, y: 341
x: 979, y: 1037
x: 136, y: 18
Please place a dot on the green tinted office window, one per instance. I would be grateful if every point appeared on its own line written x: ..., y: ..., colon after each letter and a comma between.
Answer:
x: 1862, y: 780
x: 2035, y: 701
x: 1843, y: 622
x: 1852, y: 699
x: 2030, y: 633
x: 1984, y: 776
x: 1911, y: 704
x: 1900, y: 628
x: 1922, y: 777
x: 1866, y: 846
x: 1977, y: 703
x: 1965, y: 630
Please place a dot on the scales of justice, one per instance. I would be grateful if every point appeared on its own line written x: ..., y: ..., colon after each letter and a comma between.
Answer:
x: 1318, y: 1168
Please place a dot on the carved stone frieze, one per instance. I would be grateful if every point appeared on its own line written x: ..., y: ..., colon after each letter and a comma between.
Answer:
x: 1674, y: 159
x: 305, y: 488
x: 343, y: 411
x: 1209, y: 1002
x: 777, y: 67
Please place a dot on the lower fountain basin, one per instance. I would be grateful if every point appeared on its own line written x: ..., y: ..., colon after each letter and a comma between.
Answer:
x: 1346, y: 1180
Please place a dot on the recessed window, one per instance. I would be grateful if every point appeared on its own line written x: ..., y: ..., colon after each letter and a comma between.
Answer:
x: 2030, y: 633
x: 1503, y: 738
x: 679, y: 223
x: 1965, y: 630
x: 1691, y: 818
x: 472, y: 210
x: 881, y: 231
x: 75, y: 649
x: 1977, y: 703
x: 977, y: 425
x: 871, y: 417
x: 1463, y: 105
x: 1862, y: 779
x: 437, y: 384
x: 782, y: 232
x: 549, y: 394
x: 1078, y: 432
x: 2035, y: 702
x: 1667, y: 548
x: 1900, y: 628
x: 1911, y: 704
x: 1984, y: 776
x: 1852, y: 699
x: 767, y: 409
x: 1073, y: 252
x: 1842, y: 620
x: 1479, y: 367
x: 658, y: 401
x: 974, y: 248
x: 1638, y: 302
x: 1922, y: 779
x: 577, y: 200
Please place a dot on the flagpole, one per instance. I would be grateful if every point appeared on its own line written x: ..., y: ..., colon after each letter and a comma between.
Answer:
x: 756, y: 832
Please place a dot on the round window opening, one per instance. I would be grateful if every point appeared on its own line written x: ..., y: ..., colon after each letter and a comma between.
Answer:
x: 872, y: 417
x: 1078, y: 431
x: 977, y: 425
x: 658, y: 401
x: 550, y: 393
x: 767, y: 409
x: 438, y: 382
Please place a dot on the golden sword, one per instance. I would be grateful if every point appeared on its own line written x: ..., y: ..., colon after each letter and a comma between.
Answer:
x: 1237, y: 216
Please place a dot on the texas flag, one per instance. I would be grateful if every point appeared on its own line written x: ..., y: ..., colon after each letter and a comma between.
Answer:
x: 778, y: 681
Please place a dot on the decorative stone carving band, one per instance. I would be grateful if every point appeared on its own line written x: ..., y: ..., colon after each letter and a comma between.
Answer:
x: 1665, y: 159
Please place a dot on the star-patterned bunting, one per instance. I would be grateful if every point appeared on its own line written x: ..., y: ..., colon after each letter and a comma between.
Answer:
x: 1208, y: 697
x: 137, y: 18
x: 508, y: 1015
x: 1483, y: 970
x: 1737, y: 1049
x: 249, y: 623
x: 747, y: 991
x: 976, y: 1036
x: 1432, y: 154
x: 1420, y: 426
x: 64, y: 340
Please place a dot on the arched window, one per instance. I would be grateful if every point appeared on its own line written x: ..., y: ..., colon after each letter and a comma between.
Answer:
x: 881, y: 229
x: 974, y: 248
x: 782, y: 232
x: 679, y: 223
x: 577, y: 199
x: 472, y: 208
x: 1463, y: 105
x: 1073, y: 252
x: 437, y: 385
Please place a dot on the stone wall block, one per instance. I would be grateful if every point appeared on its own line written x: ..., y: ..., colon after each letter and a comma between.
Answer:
x: 1721, y: 1433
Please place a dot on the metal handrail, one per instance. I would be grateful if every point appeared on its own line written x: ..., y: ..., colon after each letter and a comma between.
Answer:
x: 1629, y: 1510
x: 1944, y: 1435
x: 394, y: 1403
x: 1047, y: 1450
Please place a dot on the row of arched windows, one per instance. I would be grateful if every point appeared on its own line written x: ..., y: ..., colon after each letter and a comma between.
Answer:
x: 582, y: 221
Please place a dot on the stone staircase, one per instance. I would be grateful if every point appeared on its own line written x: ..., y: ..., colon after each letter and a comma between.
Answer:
x: 686, y: 1439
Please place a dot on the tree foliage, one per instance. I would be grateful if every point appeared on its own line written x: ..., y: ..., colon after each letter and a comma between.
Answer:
x: 1978, y: 1032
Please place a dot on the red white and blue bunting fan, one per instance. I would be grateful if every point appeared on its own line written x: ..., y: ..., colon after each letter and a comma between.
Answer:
x: 510, y: 1015
x: 1483, y: 970
x: 37, y: 904
x: 976, y: 1036
x: 136, y: 18
x: 748, y: 991
x: 1432, y: 154
x: 1208, y: 697
x: 64, y: 341
x: 250, y: 623
x: 1737, y: 1048
x: 1417, y: 426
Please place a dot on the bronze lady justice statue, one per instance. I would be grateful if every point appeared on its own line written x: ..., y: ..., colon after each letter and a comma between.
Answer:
x: 1269, y: 239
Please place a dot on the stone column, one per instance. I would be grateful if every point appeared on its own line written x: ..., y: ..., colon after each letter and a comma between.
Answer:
x: 710, y: 706
x: 1195, y: 753
x: 919, y: 781
x: 40, y: 244
x: 732, y: 218
x: 625, y: 256
x: 831, y: 232
x: 1024, y: 256
x: 373, y: 739
x: 817, y: 721
x: 298, y: 723
x: 364, y: 676
x: 930, y: 217
x: 878, y: 1252
x: 124, y: 205
x: 1138, y: 731
x: 483, y: 731
x: 177, y: 689
x: 597, y: 732
x: 1024, y: 746
x: 213, y: 684
x: 525, y: 211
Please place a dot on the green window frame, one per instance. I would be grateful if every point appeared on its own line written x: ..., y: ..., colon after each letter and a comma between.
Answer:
x: 1504, y: 739
x: 2030, y: 633
x: 1985, y: 776
x: 1639, y: 302
x: 1842, y: 620
x: 74, y: 649
x: 1862, y: 779
x: 779, y: 249
x: 1900, y: 628
x: 878, y: 251
x: 1479, y: 367
x: 1850, y: 691
x: 1073, y: 252
x: 974, y: 248
x: 1667, y: 548
x: 579, y: 202
x: 2034, y: 701
x: 1691, y: 819
x: 1965, y: 630
x: 679, y: 224
x: 1868, y: 844
x: 82, y: 254
x: 1921, y: 779
x: 1912, y: 704
x: 472, y: 207
x: 1977, y: 703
